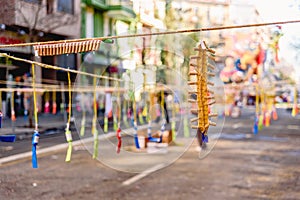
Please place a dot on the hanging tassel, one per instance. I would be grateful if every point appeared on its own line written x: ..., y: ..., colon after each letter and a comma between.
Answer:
x: 47, y: 104
x: 0, y: 100
x: 47, y: 107
x: 173, y: 124
x: 82, y: 129
x: 162, y: 130
x: 260, y: 122
x: 186, y: 130
x: 141, y: 120
x: 95, y: 133
x: 264, y: 118
x: 68, y: 135
x: 204, y: 138
x: 145, y: 112
x: 35, y: 141
x: 105, y: 128
x: 295, y: 106
x: 54, y: 105
x: 54, y: 108
x: 255, y: 127
x: 25, y: 116
x: 115, y: 123
x: 94, y: 123
x: 149, y: 132
x: 274, y: 113
x: 132, y: 121
x: 268, y: 119
x: 295, y: 110
x: 62, y: 108
x: 118, y: 135
x: 136, y: 140
x: 1, y: 116
x: 125, y: 122
x: 13, y: 114
x: 173, y: 128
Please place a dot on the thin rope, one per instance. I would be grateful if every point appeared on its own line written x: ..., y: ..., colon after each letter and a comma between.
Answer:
x: 151, y: 34
x: 70, y: 97
x: 58, y: 68
x: 34, y: 97
x: 119, y: 103
x: 41, y: 90
x: 95, y: 103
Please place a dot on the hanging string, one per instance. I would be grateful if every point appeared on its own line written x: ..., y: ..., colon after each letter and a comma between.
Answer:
x: 295, y: 106
x: 118, y: 133
x: 36, y: 135
x: 94, y: 125
x: 0, y: 100
x: 125, y: 116
x: 47, y: 103
x: 58, y: 68
x: 135, y: 134
x: 68, y: 133
x: 256, y: 117
x: 54, y: 105
x: 149, y: 129
x: 268, y: 110
x: 82, y: 129
x: 1, y: 115
x: 105, y: 127
x: 262, y: 110
x: 274, y: 112
x: 108, y: 38
x: 12, y: 106
x: 163, y: 114
x: 173, y: 124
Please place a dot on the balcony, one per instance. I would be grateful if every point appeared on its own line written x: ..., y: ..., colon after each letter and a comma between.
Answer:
x: 121, y: 9
x: 99, y: 4
x: 117, y: 9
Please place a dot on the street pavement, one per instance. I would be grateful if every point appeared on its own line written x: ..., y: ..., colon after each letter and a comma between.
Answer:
x: 240, y: 166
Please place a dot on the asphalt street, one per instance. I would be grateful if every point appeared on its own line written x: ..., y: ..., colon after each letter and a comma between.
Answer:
x: 241, y: 165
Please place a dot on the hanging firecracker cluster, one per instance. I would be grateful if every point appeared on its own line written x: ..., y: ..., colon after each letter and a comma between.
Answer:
x: 199, y: 75
x: 66, y: 48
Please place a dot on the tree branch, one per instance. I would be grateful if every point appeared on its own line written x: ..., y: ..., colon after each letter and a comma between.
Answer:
x: 57, y: 20
x: 23, y: 16
x: 36, y: 19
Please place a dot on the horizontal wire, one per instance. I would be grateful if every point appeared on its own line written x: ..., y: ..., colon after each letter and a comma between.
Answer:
x: 59, y: 68
x: 150, y: 34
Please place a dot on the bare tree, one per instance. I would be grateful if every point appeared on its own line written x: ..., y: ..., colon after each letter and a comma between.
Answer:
x: 38, y: 17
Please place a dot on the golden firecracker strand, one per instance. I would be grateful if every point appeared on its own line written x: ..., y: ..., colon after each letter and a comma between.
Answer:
x: 204, y: 94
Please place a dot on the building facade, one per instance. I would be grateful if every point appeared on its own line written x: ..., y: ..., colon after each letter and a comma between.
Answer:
x: 23, y: 21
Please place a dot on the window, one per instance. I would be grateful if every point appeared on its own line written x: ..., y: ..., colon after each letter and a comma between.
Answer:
x: 34, y: 1
x: 66, y: 61
x: 49, y: 6
x: 66, y: 6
